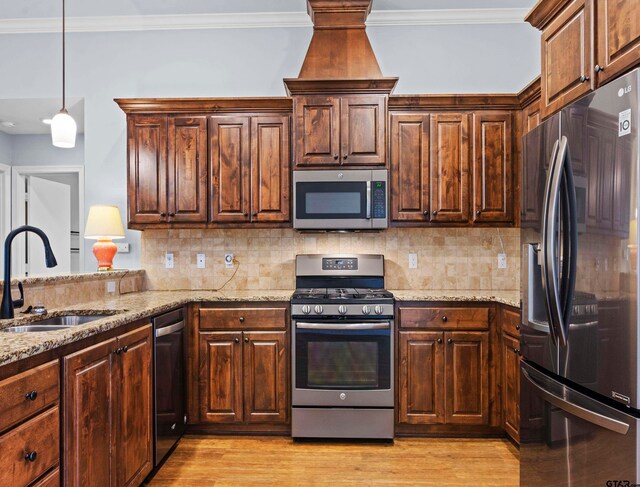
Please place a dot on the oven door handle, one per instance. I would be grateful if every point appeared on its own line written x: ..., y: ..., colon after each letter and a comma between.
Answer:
x: 344, y: 326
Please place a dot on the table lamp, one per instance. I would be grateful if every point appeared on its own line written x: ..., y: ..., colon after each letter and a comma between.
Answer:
x: 104, y: 224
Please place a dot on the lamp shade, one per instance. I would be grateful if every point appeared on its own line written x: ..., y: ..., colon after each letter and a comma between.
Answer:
x: 104, y: 223
x: 63, y: 130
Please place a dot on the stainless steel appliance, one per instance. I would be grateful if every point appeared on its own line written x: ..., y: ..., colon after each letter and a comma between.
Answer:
x: 168, y: 379
x: 353, y: 199
x: 579, y: 404
x: 343, y: 348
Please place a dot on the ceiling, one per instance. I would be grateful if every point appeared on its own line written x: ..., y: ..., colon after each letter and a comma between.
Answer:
x: 27, y: 114
x: 12, y: 9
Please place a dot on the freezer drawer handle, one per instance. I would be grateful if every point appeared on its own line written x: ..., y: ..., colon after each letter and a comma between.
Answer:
x: 160, y: 332
x: 583, y: 413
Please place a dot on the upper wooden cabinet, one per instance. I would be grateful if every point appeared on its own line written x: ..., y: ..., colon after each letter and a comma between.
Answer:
x: 339, y: 130
x: 493, y: 167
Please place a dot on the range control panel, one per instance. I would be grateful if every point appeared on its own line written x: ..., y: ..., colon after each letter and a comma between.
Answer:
x: 379, y: 199
x: 339, y: 264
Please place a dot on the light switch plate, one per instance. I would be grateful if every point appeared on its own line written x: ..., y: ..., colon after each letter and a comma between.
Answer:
x: 168, y: 260
x: 201, y: 262
x: 111, y: 286
x: 502, y: 260
x: 228, y: 260
x: 413, y: 261
x: 123, y: 247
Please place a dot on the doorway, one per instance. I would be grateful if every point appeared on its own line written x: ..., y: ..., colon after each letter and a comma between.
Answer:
x: 5, y: 207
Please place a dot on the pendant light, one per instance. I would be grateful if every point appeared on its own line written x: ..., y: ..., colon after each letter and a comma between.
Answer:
x: 63, y: 126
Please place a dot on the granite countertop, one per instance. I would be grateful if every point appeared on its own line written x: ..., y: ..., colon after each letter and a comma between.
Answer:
x: 510, y: 298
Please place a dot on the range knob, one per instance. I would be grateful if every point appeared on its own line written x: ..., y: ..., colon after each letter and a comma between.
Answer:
x: 342, y: 309
x: 306, y: 309
x: 366, y: 309
x: 318, y: 309
x: 378, y: 309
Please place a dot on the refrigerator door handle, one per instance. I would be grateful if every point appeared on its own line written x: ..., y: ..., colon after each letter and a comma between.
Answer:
x: 574, y: 409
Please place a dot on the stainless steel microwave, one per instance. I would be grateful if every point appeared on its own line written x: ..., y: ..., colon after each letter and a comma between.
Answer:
x: 352, y: 199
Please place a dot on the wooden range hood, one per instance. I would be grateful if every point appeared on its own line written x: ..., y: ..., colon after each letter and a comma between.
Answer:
x: 340, y: 58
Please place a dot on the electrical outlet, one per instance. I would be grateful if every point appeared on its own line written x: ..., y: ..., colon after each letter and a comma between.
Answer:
x: 228, y: 261
x: 111, y: 286
x: 413, y: 261
x: 502, y: 260
x: 123, y: 247
x: 168, y: 260
x: 201, y: 262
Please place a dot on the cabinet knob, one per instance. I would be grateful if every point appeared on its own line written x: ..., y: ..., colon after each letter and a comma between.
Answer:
x: 518, y: 326
x: 246, y: 340
x: 439, y: 340
x: 435, y: 212
x: 426, y: 212
x: 31, y: 396
x: 237, y: 340
x: 598, y: 68
x: 336, y: 156
x: 172, y: 214
x: 478, y: 212
x: 584, y: 78
x: 163, y: 214
x: 118, y: 351
x: 345, y: 157
x: 450, y: 341
x: 444, y: 318
x: 516, y: 351
x: 31, y: 456
x: 241, y: 319
x: 255, y: 213
x: 246, y: 214
x: 125, y: 349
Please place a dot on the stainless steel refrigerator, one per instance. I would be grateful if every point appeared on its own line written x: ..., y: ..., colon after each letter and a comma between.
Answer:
x: 579, y: 388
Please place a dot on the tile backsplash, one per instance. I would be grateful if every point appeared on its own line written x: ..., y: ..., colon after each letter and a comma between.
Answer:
x: 448, y: 258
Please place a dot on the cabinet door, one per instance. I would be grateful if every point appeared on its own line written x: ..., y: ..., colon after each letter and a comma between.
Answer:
x: 409, y: 167
x: 618, y: 40
x: 134, y: 438
x: 265, y: 377
x: 362, y: 129
x: 531, y: 117
x: 230, y: 157
x: 467, y: 377
x: 147, y: 183
x: 89, y: 425
x: 493, y: 167
x: 316, y: 136
x: 221, y: 377
x: 421, y: 398
x: 270, y: 169
x: 511, y: 386
x: 567, y: 61
x: 450, y: 167
x: 187, y: 169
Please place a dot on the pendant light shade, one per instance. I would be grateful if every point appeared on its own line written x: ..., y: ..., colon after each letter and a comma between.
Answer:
x: 63, y: 126
x: 63, y: 130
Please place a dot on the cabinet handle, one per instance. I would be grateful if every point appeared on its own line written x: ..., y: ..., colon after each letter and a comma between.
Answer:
x: 31, y: 456
x: 246, y: 340
x: 31, y: 396
x: 450, y: 341
x: 598, y: 68
x: 516, y: 351
x: 237, y: 340
x: 241, y: 319
x: 439, y: 340
x: 584, y: 78
x: 444, y: 318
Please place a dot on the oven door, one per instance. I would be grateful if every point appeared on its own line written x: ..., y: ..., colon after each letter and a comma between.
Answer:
x: 342, y: 363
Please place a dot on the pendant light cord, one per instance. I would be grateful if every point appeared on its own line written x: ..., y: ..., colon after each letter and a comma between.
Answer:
x: 64, y: 104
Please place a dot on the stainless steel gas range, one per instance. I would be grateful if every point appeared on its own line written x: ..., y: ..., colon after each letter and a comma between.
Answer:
x: 342, y: 322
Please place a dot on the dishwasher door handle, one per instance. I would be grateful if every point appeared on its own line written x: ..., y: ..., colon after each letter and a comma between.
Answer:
x: 167, y: 330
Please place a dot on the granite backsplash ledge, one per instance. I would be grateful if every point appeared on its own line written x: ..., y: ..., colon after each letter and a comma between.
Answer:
x: 448, y: 258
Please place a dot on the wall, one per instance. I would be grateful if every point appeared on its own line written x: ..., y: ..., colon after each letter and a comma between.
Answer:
x: 5, y: 149
x: 463, y: 259
x: 37, y: 150
x: 238, y: 62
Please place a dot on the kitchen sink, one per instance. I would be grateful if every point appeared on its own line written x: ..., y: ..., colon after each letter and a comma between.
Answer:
x: 56, y: 323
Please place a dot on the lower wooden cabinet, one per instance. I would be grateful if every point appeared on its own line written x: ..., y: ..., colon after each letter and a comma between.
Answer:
x: 108, y: 403
x: 510, y: 381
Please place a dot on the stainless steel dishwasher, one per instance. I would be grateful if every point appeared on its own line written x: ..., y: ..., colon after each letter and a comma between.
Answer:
x: 168, y: 379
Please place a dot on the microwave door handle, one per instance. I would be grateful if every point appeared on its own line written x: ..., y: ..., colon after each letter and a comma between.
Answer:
x: 344, y: 326
x: 368, y: 200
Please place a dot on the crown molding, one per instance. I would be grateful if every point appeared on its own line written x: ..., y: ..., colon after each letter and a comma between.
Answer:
x: 257, y: 20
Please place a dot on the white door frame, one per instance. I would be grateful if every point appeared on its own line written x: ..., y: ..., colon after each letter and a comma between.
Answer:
x: 18, y: 174
x: 5, y: 203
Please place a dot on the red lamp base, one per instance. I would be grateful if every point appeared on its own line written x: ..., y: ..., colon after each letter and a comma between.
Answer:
x: 105, y: 250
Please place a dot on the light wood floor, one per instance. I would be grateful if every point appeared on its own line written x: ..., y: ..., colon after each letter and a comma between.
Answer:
x: 238, y: 461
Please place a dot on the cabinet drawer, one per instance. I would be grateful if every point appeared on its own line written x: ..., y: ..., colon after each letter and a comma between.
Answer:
x: 243, y: 318
x: 445, y: 318
x: 25, y: 394
x: 511, y: 322
x: 39, y: 436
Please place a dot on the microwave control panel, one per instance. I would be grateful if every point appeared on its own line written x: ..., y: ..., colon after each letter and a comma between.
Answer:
x: 379, y: 199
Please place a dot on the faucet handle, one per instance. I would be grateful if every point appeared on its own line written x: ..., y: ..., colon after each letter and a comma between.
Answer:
x: 19, y: 303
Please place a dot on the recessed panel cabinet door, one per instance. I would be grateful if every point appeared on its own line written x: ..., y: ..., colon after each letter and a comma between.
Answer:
x: 409, y: 167
x: 362, y: 130
x: 135, y: 407
x: 450, y: 167
x: 90, y: 399
x: 421, y: 397
x: 567, y: 57
x: 270, y: 168
x: 467, y: 377
x: 221, y: 377
x: 147, y: 144
x: 316, y: 130
x: 265, y: 377
x: 493, y: 167
x: 511, y: 386
x: 230, y: 155
x: 618, y: 43
x: 187, y: 175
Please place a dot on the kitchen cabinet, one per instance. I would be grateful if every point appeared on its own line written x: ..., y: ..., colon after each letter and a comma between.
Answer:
x: 493, y: 167
x: 336, y: 130
x: 108, y: 411
x: 250, y: 167
x: 510, y: 372
x: 530, y: 117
